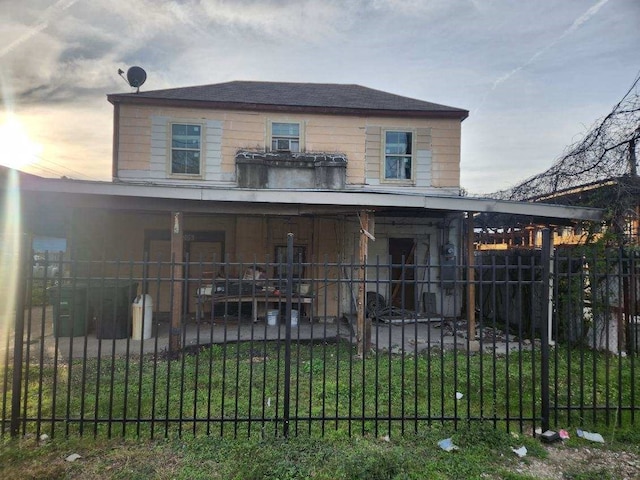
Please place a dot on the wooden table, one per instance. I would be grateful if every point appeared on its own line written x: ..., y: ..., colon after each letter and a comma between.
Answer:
x: 256, y: 300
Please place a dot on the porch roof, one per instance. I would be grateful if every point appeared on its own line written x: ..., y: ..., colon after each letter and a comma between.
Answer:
x: 130, y: 196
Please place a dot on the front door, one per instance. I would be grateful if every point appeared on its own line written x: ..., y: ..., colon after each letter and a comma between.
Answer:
x: 402, y: 253
x: 203, y: 248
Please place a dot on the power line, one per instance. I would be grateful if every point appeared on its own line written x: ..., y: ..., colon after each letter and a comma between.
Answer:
x: 40, y: 168
x: 65, y: 167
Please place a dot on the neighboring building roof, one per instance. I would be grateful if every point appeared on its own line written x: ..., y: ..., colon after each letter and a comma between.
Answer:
x: 286, y: 96
x: 6, y: 171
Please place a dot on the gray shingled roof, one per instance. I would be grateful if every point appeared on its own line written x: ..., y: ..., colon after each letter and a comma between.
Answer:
x: 297, y: 95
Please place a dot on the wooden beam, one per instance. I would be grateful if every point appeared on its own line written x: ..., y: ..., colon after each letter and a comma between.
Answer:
x: 177, y: 256
x: 363, y: 333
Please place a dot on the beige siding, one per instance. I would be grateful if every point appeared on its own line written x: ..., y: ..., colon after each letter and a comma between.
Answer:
x: 142, y: 151
x: 121, y: 236
x: 373, y: 154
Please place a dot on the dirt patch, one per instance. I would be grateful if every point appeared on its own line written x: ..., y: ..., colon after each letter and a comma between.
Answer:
x: 564, y: 462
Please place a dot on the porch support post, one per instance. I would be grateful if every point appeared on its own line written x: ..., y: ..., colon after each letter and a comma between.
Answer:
x: 545, y: 413
x: 471, y: 287
x: 177, y: 256
x: 363, y: 334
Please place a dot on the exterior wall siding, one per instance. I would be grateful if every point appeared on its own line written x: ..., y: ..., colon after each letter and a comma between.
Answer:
x: 143, y: 147
x: 373, y: 153
x: 249, y: 239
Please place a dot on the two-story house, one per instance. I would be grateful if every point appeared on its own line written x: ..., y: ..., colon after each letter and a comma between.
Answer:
x: 227, y: 171
x: 291, y: 157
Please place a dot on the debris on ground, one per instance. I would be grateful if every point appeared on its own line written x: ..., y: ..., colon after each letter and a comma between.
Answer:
x: 447, y: 445
x: 73, y: 457
x: 549, y: 436
x: 592, y: 437
x: 521, y: 452
x: 488, y: 335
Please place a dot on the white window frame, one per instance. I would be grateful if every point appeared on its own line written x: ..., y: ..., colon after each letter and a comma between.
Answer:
x: 171, y: 148
x: 300, y: 137
x: 383, y: 160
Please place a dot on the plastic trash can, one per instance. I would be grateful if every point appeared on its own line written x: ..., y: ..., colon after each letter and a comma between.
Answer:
x: 111, y: 301
x: 142, y: 317
x: 272, y: 317
x: 69, y: 310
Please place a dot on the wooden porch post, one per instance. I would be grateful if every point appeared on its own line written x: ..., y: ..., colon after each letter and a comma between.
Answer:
x: 363, y: 334
x: 471, y: 287
x: 177, y: 256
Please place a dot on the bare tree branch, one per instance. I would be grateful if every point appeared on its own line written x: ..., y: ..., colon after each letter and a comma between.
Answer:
x: 608, y: 151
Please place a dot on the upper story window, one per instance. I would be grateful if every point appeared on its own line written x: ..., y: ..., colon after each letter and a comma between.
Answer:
x: 398, y: 155
x: 285, y: 137
x: 186, y: 148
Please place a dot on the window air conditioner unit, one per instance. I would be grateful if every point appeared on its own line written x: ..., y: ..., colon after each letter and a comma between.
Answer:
x: 283, y: 145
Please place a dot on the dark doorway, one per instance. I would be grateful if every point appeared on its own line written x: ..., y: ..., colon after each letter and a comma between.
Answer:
x: 402, y: 252
x: 205, y: 250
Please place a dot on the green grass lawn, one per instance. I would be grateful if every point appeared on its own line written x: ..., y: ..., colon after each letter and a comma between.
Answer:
x: 231, y: 397
x: 483, y: 453
x: 237, y: 390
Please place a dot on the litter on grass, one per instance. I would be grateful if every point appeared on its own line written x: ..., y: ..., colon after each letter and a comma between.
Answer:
x: 459, y: 396
x: 521, y: 452
x: 447, y: 445
x: 73, y: 457
x: 549, y: 436
x: 564, y: 435
x: 592, y: 437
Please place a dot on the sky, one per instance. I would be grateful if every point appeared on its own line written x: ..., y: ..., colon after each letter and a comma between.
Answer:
x: 535, y: 75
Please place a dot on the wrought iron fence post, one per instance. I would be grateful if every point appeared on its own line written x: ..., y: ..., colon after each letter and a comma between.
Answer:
x: 287, y: 343
x: 544, y: 329
x: 18, y: 340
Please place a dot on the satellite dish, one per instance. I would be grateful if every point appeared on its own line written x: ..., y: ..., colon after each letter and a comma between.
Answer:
x: 136, y: 76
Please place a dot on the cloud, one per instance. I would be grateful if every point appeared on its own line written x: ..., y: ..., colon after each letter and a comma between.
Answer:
x: 76, y: 140
x: 309, y: 21
x: 572, y: 28
x: 61, y: 56
x: 424, y: 8
x: 74, y: 48
x: 42, y: 22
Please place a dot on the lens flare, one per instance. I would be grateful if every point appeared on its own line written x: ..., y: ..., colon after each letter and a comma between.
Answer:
x: 10, y: 243
x: 18, y: 150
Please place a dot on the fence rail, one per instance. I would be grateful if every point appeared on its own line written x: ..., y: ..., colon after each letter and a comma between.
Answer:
x: 272, y: 350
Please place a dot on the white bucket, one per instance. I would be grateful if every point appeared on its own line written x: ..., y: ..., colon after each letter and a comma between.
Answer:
x: 294, y: 318
x: 272, y: 317
x: 142, y: 317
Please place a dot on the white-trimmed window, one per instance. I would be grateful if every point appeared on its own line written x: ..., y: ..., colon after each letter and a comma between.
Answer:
x: 186, y: 149
x: 398, y: 155
x: 286, y: 137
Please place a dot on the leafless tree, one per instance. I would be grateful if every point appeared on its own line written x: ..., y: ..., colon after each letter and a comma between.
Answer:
x: 600, y: 170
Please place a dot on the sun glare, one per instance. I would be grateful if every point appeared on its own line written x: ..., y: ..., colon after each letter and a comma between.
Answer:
x: 10, y: 228
x: 17, y: 150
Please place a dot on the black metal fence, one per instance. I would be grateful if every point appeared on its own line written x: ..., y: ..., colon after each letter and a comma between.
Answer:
x: 136, y: 348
